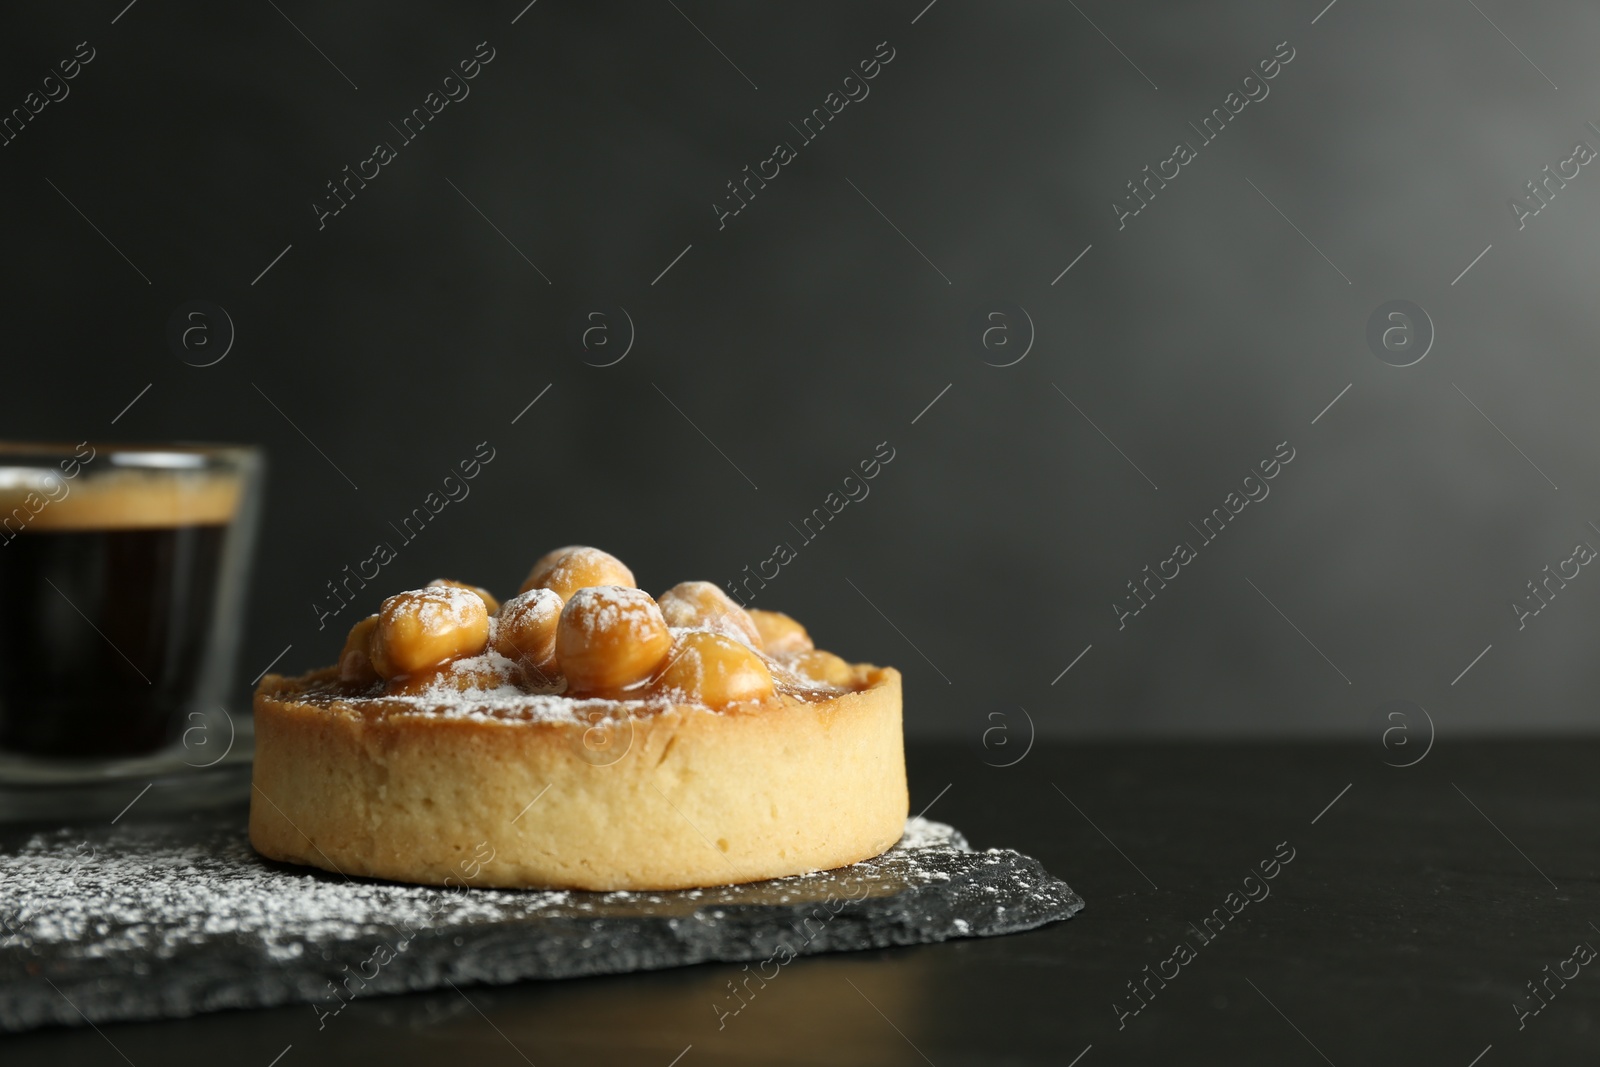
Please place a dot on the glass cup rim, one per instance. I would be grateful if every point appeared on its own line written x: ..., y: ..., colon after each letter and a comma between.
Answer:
x: 175, y: 456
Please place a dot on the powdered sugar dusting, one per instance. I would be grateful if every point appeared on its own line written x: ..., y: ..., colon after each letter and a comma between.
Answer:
x: 606, y: 609
x: 442, y: 609
x: 536, y: 607
x: 703, y: 606
x: 925, y: 833
x: 145, y: 921
x: 134, y: 895
x: 156, y: 889
x: 487, y: 676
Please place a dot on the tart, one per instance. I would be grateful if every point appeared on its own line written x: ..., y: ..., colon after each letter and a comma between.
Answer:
x: 581, y: 735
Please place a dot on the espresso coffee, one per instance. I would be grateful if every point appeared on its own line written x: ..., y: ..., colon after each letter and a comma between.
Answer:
x: 108, y: 604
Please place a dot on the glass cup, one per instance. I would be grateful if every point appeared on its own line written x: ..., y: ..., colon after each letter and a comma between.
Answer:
x: 122, y: 580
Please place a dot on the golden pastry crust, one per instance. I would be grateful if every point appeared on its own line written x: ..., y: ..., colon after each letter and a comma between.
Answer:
x: 573, y: 794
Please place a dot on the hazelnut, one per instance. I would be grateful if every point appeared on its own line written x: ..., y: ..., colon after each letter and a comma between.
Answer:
x: 825, y: 667
x: 714, y: 670
x: 541, y: 567
x: 610, y: 637
x: 423, y: 628
x: 355, y: 662
x: 526, y: 632
x: 579, y: 568
x: 702, y: 606
x: 488, y: 598
x: 779, y: 633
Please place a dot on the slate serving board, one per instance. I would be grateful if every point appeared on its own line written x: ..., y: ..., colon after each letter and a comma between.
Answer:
x: 169, y: 919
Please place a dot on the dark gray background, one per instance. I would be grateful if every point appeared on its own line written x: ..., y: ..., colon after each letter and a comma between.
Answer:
x: 1197, y: 338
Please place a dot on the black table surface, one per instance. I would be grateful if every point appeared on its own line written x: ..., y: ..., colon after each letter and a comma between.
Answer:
x: 1406, y: 929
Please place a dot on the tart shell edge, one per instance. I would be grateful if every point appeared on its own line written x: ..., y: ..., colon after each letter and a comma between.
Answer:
x: 682, y: 797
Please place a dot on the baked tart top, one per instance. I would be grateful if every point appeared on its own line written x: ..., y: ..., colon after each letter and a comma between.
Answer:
x: 580, y: 639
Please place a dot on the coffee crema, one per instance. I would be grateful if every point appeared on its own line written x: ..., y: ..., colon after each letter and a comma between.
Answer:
x: 119, y: 500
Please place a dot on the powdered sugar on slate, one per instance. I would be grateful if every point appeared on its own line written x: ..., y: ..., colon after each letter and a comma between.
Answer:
x: 143, y: 921
x: 148, y: 890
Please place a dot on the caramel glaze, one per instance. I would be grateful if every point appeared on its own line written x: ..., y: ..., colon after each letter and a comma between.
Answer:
x: 323, y: 688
